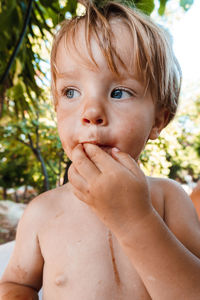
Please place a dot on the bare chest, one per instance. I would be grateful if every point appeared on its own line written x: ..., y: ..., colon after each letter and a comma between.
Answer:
x: 83, y: 260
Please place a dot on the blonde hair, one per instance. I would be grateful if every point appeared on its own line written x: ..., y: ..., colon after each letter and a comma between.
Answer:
x: 154, y: 59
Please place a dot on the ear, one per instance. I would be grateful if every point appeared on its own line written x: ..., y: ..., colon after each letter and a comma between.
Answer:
x: 161, y: 120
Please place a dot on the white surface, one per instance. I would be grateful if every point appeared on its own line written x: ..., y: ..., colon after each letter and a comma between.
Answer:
x: 11, y: 211
x: 5, y: 253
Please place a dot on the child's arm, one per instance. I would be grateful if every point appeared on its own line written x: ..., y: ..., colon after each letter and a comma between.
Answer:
x: 22, y: 278
x: 13, y: 291
x: 167, y: 257
x: 117, y: 190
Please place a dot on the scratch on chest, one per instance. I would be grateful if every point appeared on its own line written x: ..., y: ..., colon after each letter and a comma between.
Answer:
x: 116, y: 273
x: 19, y: 272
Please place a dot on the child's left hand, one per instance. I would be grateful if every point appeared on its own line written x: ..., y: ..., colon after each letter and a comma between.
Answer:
x: 113, y: 186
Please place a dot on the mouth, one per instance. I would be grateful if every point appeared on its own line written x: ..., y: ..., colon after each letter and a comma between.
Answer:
x: 106, y: 148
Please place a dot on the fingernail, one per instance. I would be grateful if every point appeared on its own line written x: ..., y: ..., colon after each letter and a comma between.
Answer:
x: 85, y: 145
x: 115, y: 149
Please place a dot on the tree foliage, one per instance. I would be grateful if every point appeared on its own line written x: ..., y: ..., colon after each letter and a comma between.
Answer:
x: 176, y: 153
x: 30, y: 151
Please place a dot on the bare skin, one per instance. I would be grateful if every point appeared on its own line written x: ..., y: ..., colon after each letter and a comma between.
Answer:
x: 111, y: 232
x: 85, y: 265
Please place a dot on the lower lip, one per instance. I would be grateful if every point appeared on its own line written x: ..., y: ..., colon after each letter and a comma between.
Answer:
x: 107, y: 149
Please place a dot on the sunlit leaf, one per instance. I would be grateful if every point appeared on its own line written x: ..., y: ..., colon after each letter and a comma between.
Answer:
x: 162, y: 6
x: 186, y: 4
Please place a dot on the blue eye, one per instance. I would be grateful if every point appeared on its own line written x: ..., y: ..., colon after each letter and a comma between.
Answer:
x: 120, y: 94
x: 71, y: 93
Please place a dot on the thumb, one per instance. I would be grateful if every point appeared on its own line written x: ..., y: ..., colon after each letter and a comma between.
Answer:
x: 126, y: 160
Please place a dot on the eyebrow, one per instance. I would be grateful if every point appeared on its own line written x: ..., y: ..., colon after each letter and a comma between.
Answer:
x: 73, y: 73
x: 70, y: 73
x: 125, y: 77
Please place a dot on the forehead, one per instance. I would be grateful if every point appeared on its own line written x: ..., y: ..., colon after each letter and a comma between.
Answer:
x: 73, y: 49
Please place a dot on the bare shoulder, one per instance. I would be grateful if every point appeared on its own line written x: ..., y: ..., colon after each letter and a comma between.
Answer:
x: 46, y: 204
x: 40, y: 210
x: 26, y: 264
x: 179, y: 213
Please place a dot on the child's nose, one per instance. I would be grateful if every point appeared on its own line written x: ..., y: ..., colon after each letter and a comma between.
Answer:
x: 94, y: 115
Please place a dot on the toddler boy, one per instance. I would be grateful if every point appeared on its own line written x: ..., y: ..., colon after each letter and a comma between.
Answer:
x: 111, y: 232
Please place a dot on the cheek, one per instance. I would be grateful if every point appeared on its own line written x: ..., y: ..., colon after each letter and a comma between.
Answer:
x: 65, y: 133
x: 64, y: 137
x: 134, y: 135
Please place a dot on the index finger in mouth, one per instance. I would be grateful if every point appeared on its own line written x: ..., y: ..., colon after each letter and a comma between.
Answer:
x: 83, y: 164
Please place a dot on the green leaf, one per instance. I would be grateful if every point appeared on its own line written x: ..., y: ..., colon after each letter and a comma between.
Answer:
x: 147, y: 6
x: 45, y: 3
x: 71, y: 7
x: 35, y: 123
x: 161, y: 9
x: 186, y: 4
x: 4, y: 16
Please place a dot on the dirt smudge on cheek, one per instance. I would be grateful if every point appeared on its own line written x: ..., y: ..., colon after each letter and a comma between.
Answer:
x: 116, y: 273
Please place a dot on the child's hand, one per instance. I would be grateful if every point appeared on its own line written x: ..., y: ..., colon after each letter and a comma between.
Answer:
x: 113, y: 186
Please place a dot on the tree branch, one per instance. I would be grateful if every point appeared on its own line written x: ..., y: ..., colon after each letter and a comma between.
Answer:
x: 14, y: 54
x: 31, y: 143
x: 52, y: 169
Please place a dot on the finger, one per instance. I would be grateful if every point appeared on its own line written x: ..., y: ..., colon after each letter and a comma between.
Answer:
x: 81, y: 195
x: 76, y: 179
x: 100, y: 158
x: 78, y: 194
x: 126, y: 160
x: 83, y: 164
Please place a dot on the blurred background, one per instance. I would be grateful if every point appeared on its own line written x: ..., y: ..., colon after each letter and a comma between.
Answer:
x: 31, y: 156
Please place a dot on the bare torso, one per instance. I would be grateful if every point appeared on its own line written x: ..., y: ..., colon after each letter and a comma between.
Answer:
x: 62, y: 246
x: 83, y: 260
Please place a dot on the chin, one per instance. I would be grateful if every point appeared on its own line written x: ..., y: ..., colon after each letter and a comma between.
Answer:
x: 68, y: 153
